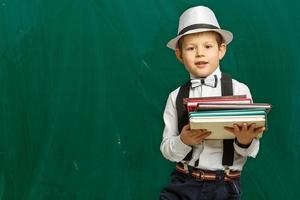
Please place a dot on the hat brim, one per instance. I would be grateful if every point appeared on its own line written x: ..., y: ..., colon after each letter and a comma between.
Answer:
x: 227, y: 36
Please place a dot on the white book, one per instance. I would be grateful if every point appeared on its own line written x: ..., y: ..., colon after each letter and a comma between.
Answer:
x: 216, y: 125
x: 232, y: 118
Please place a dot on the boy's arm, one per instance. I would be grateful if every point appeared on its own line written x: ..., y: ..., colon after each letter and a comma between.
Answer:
x: 253, y: 148
x: 171, y: 146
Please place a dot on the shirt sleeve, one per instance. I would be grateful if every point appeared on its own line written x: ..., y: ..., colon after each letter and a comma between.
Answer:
x: 251, y: 151
x: 241, y: 89
x: 171, y: 146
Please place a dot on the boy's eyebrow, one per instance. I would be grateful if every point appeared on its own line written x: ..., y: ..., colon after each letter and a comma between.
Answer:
x: 206, y: 42
x: 191, y: 44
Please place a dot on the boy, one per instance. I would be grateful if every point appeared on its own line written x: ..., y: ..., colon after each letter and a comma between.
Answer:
x: 206, y: 169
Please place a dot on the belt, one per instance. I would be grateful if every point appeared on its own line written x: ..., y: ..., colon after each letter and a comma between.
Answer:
x: 227, y: 176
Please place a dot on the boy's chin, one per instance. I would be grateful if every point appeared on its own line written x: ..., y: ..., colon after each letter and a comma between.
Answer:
x: 203, y: 73
x: 199, y: 75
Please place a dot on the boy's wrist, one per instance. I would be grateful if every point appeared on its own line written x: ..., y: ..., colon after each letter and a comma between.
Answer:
x: 242, y: 145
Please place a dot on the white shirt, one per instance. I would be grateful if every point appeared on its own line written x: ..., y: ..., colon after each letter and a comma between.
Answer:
x: 209, y: 152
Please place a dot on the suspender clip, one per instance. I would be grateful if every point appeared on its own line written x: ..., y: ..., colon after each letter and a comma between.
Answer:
x: 185, y: 166
x: 227, y: 170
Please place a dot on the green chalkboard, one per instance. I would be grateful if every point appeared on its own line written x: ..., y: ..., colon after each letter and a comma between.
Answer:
x: 83, y: 85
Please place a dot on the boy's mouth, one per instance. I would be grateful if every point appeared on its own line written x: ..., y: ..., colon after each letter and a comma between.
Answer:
x: 201, y: 63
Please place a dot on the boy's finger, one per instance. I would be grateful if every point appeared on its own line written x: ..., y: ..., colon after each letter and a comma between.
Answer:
x: 236, y: 128
x: 199, y: 132
x: 186, y: 127
x: 206, y: 133
x: 244, y: 127
x: 252, y: 127
x: 230, y: 129
x: 259, y: 129
x: 203, y: 134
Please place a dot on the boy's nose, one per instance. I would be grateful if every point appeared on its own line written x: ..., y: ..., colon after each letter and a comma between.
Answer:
x: 199, y: 52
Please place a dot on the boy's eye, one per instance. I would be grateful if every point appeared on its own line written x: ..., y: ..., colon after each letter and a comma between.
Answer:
x: 191, y: 48
x: 208, y: 46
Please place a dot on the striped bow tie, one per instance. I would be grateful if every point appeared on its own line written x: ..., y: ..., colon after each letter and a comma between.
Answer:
x: 211, y: 82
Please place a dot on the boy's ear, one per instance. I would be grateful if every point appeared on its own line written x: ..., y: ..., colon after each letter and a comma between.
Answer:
x: 222, y: 50
x: 178, y: 54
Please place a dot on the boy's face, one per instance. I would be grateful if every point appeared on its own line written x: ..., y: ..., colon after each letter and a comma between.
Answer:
x: 200, y: 53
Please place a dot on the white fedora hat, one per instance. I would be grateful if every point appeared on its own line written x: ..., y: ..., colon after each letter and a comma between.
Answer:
x: 198, y: 19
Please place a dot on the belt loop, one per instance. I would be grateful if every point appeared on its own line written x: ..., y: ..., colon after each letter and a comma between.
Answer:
x: 190, y: 173
x: 220, y: 177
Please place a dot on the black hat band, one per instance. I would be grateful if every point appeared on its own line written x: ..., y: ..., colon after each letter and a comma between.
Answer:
x: 197, y: 26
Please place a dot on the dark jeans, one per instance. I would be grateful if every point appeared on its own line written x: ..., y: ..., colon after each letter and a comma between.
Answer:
x: 184, y: 187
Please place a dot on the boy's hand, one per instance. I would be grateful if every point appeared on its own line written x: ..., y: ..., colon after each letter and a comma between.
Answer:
x: 193, y: 137
x: 245, y: 133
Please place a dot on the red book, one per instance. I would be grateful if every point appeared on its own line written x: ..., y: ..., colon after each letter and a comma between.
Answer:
x: 192, y: 103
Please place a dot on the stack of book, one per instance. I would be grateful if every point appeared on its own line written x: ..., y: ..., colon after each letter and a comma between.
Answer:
x: 214, y: 113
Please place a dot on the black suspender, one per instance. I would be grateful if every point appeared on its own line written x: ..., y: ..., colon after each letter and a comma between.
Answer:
x: 182, y: 116
x: 182, y: 113
x: 228, y: 150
